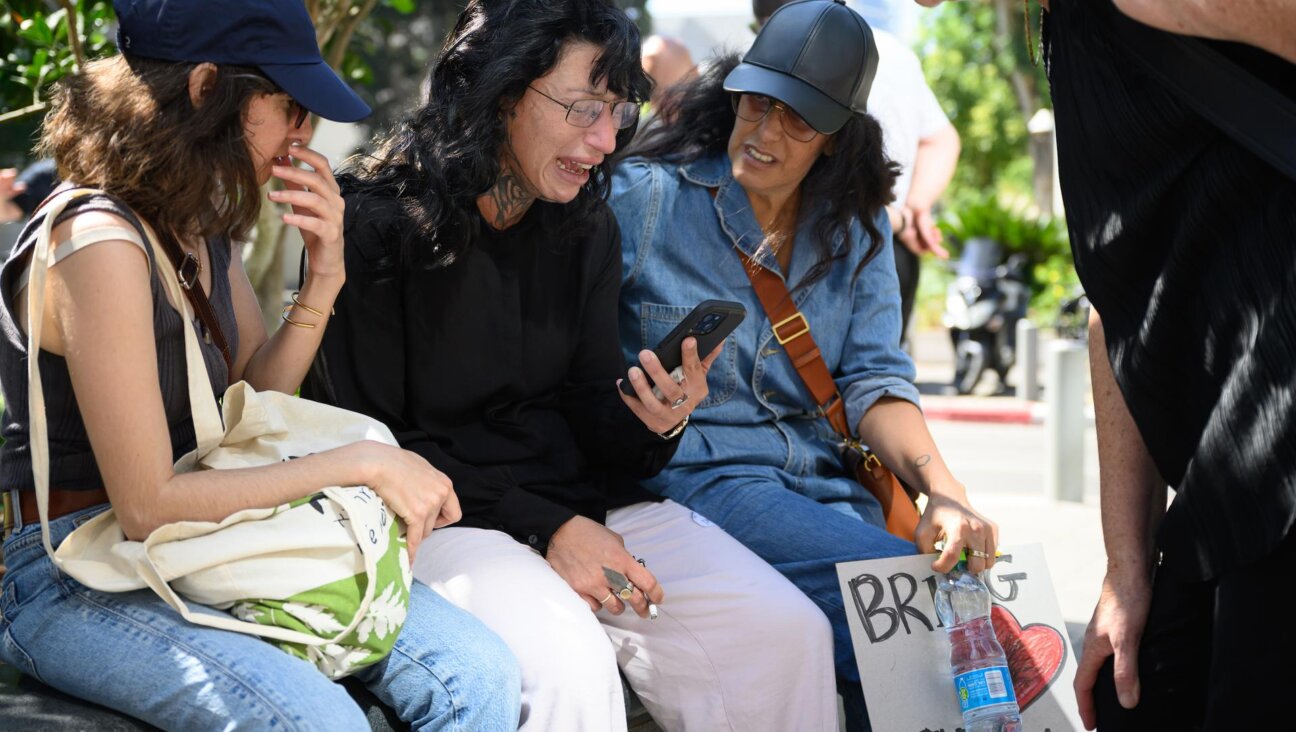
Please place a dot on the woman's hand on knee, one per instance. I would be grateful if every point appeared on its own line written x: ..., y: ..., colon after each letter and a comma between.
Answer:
x: 950, y: 517
x: 422, y: 496
x: 579, y: 551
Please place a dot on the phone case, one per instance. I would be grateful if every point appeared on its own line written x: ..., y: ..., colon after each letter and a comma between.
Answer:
x: 669, y: 350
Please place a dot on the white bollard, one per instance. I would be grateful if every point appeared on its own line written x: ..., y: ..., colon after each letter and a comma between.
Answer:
x: 1064, y: 420
x: 1027, y: 360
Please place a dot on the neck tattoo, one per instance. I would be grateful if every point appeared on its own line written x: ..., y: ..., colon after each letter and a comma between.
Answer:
x: 511, y: 195
x: 510, y: 200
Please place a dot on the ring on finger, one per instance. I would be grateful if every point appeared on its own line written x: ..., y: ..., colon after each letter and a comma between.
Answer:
x: 680, y: 402
x: 604, y: 600
x: 978, y: 553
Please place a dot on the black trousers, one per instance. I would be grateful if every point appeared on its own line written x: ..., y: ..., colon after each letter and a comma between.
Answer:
x: 907, y: 271
x: 1217, y: 656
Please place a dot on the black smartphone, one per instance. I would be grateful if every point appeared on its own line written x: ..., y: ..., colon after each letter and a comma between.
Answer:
x: 710, y: 323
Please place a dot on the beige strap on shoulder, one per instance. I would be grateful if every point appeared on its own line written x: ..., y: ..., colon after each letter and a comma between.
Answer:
x: 207, y: 422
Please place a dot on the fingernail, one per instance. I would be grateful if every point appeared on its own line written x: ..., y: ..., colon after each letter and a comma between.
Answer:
x: 635, y: 373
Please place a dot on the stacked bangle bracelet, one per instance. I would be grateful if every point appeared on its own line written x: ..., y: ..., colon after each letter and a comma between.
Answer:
x: 296, y: 298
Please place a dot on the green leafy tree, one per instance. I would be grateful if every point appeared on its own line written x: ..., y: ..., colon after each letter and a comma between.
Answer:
x: 977, y: 59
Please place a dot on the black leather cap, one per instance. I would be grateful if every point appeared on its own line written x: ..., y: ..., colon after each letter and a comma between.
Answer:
x: 816, y: 56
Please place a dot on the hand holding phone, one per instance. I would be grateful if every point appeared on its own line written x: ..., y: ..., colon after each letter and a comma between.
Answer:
x: 665, y: 407
x: 710, y: 323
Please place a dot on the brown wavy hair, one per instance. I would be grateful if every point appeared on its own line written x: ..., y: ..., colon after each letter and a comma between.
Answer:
x: 127, y: 125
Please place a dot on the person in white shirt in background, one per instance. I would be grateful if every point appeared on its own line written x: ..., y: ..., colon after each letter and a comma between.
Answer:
x: 918, y: 136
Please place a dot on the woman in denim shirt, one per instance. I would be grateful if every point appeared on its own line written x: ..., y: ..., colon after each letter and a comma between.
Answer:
x: 735, y: 167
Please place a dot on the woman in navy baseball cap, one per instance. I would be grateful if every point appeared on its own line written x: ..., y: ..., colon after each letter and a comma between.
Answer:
x: 207, y: 103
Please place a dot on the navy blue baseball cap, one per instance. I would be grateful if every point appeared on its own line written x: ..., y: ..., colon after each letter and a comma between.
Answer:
x: 275, y: 36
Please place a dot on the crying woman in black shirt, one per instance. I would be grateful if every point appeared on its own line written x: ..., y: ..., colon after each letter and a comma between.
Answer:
x: 479, y: 321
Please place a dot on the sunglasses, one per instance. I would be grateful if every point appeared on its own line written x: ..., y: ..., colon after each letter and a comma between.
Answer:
x: 756, y: 107
x: 300, y: 112
x: 296, y: 111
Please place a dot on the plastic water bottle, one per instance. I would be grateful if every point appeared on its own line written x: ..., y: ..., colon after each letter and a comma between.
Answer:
x: 977, y: 661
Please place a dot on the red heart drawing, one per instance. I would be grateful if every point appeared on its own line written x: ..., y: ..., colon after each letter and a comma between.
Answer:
x: 1035, y: 654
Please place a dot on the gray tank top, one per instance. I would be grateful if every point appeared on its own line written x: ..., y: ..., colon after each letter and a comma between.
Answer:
x: 72, y: 463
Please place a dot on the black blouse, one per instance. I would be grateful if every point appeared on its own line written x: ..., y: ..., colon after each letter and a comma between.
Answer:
x: 499, y: 369
x: 1183, y: 240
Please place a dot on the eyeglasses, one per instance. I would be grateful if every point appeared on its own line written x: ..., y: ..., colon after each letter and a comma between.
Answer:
x: 755, y: 107
x: 585, y: 112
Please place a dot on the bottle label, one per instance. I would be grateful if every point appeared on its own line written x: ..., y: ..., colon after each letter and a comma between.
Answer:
x: 984, y: 687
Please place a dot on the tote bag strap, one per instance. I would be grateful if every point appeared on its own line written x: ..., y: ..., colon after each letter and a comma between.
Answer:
x: 152, y: 576
x: 43, y: 256
x: 207, y: 422
x: 209, y: 429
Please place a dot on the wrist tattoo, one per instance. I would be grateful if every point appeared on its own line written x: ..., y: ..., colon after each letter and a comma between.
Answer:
x: 922, y: 461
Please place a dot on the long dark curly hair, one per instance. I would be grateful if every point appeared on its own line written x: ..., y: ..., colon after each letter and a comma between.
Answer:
x: 447, y: 153
x: 855, y: 182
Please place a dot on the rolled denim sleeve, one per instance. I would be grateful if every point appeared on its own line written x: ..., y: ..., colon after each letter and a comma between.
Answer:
x: 873, y: 365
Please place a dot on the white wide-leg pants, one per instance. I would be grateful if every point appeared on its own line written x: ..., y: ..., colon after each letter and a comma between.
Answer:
x: 736, y: 646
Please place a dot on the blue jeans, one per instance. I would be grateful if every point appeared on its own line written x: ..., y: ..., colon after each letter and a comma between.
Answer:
x: 803, y: 526
x: 131, y: 652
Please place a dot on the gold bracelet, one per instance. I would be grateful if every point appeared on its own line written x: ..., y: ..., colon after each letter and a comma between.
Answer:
x: 308, y: 308
x: 290, y: 321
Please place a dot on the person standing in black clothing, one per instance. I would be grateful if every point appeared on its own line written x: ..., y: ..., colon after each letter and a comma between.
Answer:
x: 479, y: 321
x: 1182, y: 239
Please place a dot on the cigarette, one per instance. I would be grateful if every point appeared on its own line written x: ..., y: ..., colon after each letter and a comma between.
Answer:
x: 652, y: 611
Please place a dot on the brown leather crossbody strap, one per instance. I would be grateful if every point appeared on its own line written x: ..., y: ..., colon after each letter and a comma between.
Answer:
x: 188, y: 267
x: 792, y: 331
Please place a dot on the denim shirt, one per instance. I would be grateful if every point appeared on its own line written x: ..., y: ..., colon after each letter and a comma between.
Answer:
x: 677, y: 250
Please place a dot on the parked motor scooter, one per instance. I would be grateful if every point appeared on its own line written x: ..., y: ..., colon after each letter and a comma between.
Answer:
x: 1073, y: 317
x: 982, y: 307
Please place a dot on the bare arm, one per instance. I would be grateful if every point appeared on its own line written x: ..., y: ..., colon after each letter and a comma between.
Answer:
x: 1133, y: 496
x: 1267, y: 24
x: 280, y: 362
x: 99, y: 317
x: 933, y: 168
x: 896, y: 430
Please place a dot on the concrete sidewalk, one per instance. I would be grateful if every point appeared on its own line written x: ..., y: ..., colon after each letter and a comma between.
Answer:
x: 996, y: 445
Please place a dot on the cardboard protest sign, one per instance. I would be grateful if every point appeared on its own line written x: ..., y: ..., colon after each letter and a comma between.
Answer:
x: 903, y: 652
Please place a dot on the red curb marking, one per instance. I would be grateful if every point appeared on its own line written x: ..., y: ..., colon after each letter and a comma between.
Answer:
x: 1000, y: 416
